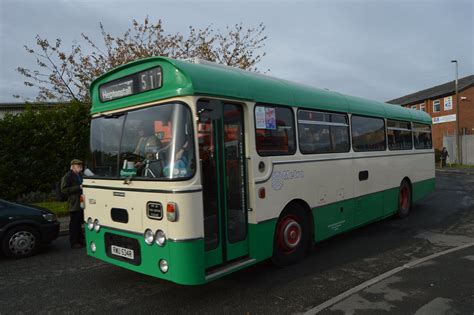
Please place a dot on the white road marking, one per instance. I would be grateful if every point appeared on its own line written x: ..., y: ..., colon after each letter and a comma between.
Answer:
x: 437, y: 306
x: 381, y: 277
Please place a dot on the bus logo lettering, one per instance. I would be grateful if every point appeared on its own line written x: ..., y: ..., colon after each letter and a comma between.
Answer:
x: 279, y: 177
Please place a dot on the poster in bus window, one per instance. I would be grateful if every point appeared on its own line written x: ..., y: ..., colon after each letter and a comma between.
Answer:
x: 260, y: 117
x: 270, y: 119
x: 448, y: 103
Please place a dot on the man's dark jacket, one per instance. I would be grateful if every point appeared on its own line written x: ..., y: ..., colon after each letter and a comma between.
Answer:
x: 71, y: 186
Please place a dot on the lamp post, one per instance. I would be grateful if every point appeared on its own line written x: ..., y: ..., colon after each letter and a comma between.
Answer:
x: 458, y: 129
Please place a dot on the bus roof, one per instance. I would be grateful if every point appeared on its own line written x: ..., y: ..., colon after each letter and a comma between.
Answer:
x: 182, y: 78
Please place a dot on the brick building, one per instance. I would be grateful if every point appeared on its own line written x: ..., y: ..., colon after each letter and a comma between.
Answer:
x: 440, y: 102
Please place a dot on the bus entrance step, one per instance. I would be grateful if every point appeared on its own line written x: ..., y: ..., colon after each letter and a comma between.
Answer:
x: 239, y: 264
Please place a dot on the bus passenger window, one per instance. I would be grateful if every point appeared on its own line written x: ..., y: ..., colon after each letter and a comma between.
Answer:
x: 422, y: 136
x: 399, y: 135
x: 368, y: 133
x: 274, y: 133
x: 322, y: 132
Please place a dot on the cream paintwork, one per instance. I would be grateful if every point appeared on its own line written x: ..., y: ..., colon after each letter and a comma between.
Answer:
x: 329, y: 181
x: 334, y: 177
x: 190, y: 205
x: 327, y: 178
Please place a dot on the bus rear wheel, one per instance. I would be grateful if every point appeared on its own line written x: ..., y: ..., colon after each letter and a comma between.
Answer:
x: 404, y: 199
x: 291, y: 236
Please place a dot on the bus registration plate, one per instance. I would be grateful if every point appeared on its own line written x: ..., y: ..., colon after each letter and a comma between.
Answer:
x: 122, y: 252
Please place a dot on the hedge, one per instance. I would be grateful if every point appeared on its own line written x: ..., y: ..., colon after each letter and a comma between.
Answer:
x: 37, y: 146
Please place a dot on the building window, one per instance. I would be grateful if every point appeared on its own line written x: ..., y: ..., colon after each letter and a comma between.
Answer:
x: 448, y: 103
x: 399, y: 135
x: 436, y: 106
x: 422, y: 136
x: 422, y: 107
x: 413, y: 107
x: 368, y: 133
x: 275, y: 130
x: 321, y: 132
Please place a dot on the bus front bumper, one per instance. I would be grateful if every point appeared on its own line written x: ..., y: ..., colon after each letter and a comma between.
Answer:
x: 185, y: 258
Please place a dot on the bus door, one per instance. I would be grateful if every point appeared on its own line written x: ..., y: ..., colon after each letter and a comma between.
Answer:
x: 223, y: 177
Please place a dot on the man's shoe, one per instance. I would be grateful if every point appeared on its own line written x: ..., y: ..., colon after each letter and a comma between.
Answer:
x: 77, y: 246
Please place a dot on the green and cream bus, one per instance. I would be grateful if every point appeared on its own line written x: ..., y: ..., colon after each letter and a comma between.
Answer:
x: 198, y: 170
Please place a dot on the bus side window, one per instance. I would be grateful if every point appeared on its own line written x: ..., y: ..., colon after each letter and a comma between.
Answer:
x: 274, y: 133
x: 368, y: 133
x: 422, y: 136
x: 321, y: 132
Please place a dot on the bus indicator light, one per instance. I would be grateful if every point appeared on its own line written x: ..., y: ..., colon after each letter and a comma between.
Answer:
x: 172, y: 211
x: 261, y: 193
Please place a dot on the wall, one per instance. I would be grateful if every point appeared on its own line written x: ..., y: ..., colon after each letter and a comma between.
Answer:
x: 467, y: 147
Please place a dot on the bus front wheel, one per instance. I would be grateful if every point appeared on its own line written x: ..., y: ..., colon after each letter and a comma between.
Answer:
x: 291, y: 236
x: 404, y: 199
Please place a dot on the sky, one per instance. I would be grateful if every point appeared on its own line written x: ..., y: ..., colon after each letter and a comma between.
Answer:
x: 374, y: 49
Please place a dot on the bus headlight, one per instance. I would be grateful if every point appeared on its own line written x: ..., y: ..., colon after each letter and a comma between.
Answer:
x: 93, y: 247
x: 90, y: 224
x: 163, y: 266
x: 96, y: 225
x: 160, y: 238
x: 149, y: 236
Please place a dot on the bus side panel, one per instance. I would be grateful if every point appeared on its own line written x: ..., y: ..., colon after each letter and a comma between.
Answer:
x: 333, y: 219
x: 390, y: 201
x: 423, y: 188
x: 261, y: 239
x: 368, y: 208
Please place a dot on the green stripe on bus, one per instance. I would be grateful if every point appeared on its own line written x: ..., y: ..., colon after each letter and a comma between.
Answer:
x: 182, y: 78
x: 185, y: 258
x: 338, y: 217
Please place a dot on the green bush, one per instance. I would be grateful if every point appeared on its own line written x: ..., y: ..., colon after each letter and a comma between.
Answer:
x: 36, y: 196
x: 37, y: 146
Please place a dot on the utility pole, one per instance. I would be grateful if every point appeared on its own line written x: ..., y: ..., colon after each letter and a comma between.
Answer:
x: 458, y: 129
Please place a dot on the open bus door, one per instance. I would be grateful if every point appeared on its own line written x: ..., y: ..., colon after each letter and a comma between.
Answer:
x: 222, y: 158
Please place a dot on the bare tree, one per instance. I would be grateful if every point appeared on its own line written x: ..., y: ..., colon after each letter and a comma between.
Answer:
x: 66, y: 76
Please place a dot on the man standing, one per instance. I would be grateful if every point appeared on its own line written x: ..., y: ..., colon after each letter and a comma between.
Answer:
x: 444, y: 157
x: 71, y: 185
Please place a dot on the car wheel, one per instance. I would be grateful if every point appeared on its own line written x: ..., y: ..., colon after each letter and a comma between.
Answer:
x: 20, y: 242
x: 291, y: 236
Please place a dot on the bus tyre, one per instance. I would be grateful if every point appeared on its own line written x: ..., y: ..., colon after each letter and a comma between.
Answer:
x: 291, y: 236
x: 404, y: 199
x: 20, y: 242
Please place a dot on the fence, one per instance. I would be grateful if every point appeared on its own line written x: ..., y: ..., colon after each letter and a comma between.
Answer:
x: 467, y: 148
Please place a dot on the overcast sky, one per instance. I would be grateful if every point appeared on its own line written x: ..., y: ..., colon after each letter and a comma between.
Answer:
x: 374, y: 49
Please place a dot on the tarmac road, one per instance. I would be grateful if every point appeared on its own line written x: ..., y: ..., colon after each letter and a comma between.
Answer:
x: 62, y: 280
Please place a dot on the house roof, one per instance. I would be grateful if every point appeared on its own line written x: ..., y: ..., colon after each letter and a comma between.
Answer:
x: 434, y: 92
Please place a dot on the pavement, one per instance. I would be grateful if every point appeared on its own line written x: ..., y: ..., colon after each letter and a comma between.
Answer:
x: 370, y: 270
x: 436, y: 285
x: 467, y: 171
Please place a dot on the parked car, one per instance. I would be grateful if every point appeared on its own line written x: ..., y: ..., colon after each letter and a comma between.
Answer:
x: 25, y: 228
